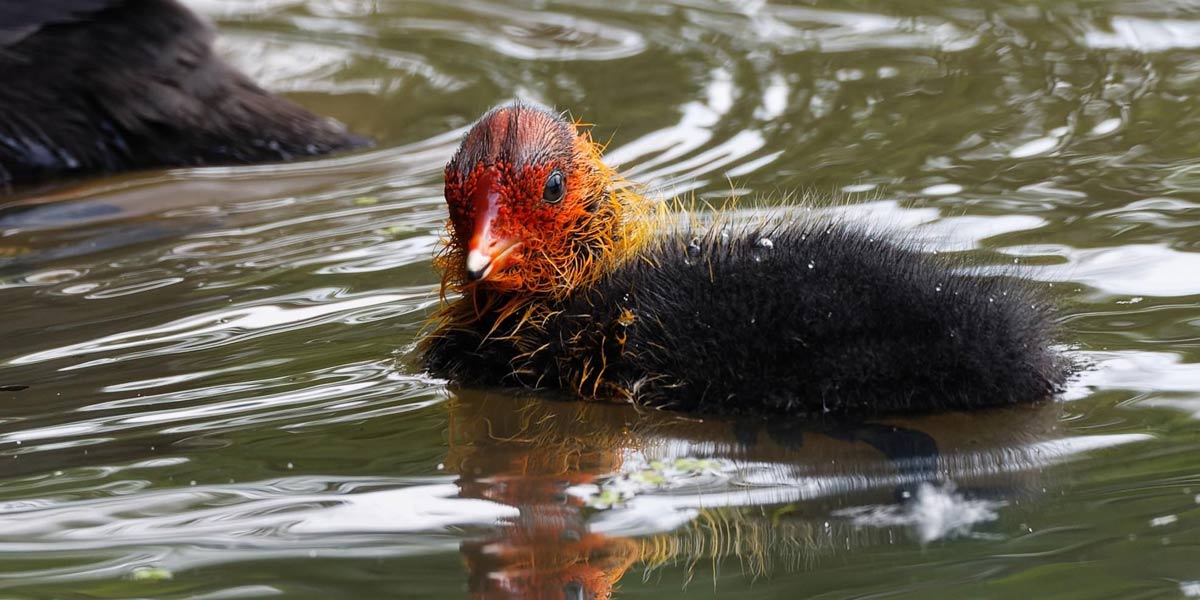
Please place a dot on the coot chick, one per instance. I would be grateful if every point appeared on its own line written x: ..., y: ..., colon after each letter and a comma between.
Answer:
x: 111, y: 85
x: 570, y: 280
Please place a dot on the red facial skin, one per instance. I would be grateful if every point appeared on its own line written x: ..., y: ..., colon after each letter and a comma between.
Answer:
x: 504, y: 235
x: 499, y: 213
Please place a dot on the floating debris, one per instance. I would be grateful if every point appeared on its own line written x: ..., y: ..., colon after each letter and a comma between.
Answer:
x: 1163, y: 521
x: 398, y: 230
x: 656, y: 475
x: 151, y: 574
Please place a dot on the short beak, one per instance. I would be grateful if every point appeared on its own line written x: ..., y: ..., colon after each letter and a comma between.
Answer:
x: 487, y: 253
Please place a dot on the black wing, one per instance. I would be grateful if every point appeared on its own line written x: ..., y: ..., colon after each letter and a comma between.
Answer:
x: 22, y: 18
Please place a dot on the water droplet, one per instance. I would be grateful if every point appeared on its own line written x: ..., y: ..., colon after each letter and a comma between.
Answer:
x: 765, y: 243
x: 937, y: 288
x: 693, y: 249
x: 811, y: 265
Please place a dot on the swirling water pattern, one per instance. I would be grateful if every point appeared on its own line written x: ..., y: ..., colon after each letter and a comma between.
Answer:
x: 206, y: 378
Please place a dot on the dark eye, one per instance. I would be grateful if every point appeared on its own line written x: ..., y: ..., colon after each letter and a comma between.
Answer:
x: 556, y: 186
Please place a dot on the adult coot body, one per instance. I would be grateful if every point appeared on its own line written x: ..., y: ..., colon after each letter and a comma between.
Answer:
x: 110, y: 85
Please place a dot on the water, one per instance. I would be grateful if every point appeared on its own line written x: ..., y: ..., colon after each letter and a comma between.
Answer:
x: 209, y: 383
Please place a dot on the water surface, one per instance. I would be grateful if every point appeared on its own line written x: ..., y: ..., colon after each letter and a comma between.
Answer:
x: 208, y: 388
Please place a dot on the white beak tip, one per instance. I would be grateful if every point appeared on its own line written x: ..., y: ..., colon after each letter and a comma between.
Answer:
x: 478, y: 265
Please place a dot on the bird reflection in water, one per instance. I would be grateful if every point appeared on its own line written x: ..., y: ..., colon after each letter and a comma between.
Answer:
x: 776, y: 509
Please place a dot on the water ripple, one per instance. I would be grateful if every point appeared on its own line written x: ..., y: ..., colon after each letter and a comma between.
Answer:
x: 212, y: 366
x: 220, y: 328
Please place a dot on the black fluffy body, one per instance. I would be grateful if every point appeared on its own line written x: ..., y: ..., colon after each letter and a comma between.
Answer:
x: 786, y: 319
x: 111, y: 85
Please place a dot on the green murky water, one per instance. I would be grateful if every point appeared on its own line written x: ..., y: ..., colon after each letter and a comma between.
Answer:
x: 221, y: 401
